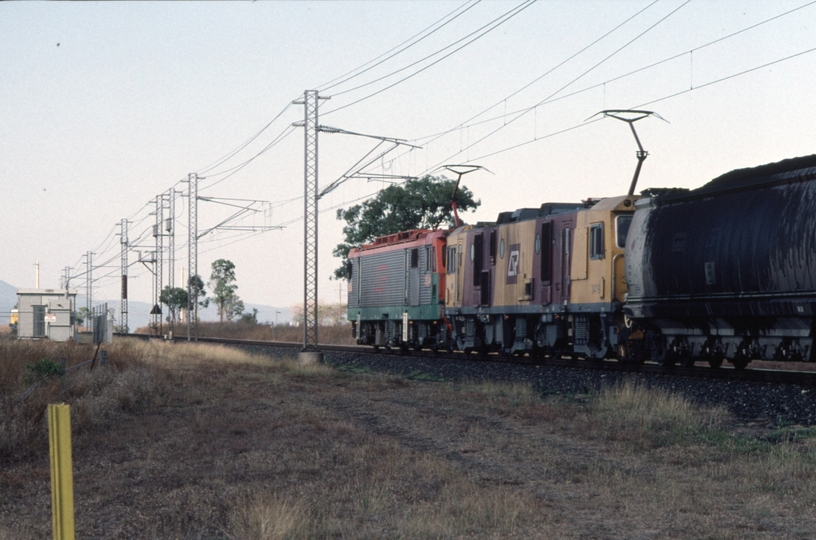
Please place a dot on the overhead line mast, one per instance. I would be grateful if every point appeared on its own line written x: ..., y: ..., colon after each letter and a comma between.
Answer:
x: 310, y: 351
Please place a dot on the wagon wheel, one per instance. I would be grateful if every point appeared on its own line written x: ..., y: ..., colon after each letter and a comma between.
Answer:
x: 742, y: 357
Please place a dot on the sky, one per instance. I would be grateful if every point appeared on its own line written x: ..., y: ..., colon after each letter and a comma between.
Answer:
x: 105, y: 106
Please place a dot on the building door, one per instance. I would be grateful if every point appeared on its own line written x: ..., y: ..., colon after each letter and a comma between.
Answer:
x: 39, y: 321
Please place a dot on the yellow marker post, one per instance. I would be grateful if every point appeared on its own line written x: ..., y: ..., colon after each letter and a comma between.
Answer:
x: 62, y: 474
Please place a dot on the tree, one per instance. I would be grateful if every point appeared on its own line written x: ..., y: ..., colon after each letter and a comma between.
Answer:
x: 327, y: 314
x: 250, y: 318
x: 424, y: 203
x: 196, y: 285
x: 222, y: 284
x: 175, y: 299
x: 82, y: 315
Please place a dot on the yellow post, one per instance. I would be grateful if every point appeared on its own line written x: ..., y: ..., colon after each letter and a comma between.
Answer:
x: 62, y: 475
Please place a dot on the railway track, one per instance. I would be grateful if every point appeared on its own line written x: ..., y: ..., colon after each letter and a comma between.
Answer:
x: 805, y: 379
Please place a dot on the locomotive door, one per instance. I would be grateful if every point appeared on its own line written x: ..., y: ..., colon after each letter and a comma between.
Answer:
x: 412, y: 294
x: 566, y: 241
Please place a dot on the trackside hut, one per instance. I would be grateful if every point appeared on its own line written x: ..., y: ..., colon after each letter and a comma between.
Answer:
x: 46, y: 313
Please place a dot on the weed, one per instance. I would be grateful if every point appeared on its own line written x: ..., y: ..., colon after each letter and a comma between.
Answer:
x: 42, y: 370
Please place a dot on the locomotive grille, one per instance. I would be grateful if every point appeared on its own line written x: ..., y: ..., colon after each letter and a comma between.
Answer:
x: 521, y: 328
x: 581, y: 330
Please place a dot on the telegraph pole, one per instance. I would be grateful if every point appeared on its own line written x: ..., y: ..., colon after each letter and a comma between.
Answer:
x: 123, y: 306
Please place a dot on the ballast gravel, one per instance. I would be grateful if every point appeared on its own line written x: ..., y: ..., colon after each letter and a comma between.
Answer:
x: 768, y: 404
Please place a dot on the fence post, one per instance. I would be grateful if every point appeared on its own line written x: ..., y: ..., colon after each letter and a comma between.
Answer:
x: 62, y: 475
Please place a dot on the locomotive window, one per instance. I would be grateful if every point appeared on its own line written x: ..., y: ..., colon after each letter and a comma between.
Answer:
x: 477, y: 256
x: 415, y: 258
x: 538, y: 244
x: 596, y: 241
x: 493, y: 247
x: 452, y: 260
x: 546, y: 260
x: 622, y: 223
x: 501, y: 248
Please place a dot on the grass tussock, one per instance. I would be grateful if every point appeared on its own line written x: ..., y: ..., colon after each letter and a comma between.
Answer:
x: 648, y: 417
x: 268, y: 517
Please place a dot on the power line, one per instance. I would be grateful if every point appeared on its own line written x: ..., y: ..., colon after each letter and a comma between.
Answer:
x: 645, y: 104
x: 229, y: 155
x: 348, y: 76
x: 285, y: 133
x: 627, y: 44
x: 549, y: 71
x: 465, y: 125
x: 501, y: 20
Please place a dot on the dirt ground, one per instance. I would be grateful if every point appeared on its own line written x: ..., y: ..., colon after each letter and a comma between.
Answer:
x: 269, y: 449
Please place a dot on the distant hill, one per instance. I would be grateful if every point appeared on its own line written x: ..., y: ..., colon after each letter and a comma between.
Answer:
x: 8, y: 297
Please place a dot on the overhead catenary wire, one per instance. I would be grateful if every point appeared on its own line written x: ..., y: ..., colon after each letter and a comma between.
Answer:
x: 229, y: 155
x: 469, y: 123
x: 567, y: 85
x: 495, y: 24
x: 410, y: 42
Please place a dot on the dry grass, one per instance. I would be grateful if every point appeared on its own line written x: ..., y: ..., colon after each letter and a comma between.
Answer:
x: 196, y: 441
x: 336, y: 335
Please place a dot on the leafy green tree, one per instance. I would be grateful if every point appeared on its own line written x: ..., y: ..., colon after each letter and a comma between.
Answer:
x: 175, y: 299
x: 196, y: 285
x: 250, y: 318
x: 81, y: 315
x: 424, y: 203
x: 222, y: 284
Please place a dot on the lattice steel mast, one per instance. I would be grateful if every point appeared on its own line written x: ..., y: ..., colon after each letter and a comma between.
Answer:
x: 123, y: 304
x: 169, y: 227
x: 192, y: 256
x: 310, y: 197
x: 89, y: 287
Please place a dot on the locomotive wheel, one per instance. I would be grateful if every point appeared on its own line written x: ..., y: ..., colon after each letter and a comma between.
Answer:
x: 687, y: 362
x: 623, y: 352
x: 669, y: 359
x: 715, y: 361
x: 630, y: 352
x: 740, y: 363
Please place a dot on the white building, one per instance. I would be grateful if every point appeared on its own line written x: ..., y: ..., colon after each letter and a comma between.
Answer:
x: 46, y: 313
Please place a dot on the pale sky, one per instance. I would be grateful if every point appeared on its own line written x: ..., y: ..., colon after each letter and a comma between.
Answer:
x: 107, y: 105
